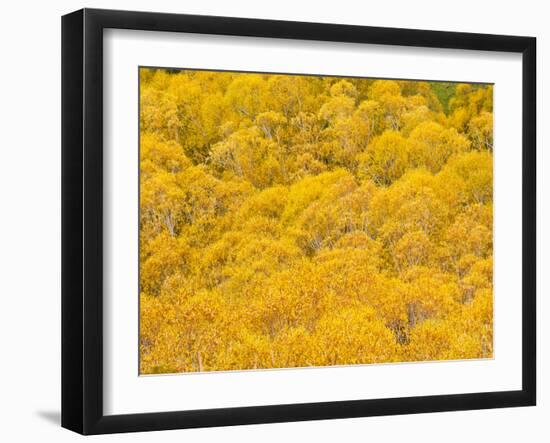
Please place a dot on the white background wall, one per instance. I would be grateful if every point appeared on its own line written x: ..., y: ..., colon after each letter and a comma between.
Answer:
x: 30, y: 219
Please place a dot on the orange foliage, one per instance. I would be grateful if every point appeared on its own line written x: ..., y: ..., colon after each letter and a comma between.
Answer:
x: 290, y: 221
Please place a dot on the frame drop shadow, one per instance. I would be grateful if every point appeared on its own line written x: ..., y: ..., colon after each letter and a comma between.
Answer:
x: 51, y: 416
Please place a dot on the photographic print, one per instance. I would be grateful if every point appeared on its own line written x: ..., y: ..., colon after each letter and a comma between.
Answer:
x: 294, y: 221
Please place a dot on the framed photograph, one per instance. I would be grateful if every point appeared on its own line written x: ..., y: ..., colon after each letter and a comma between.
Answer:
x: 269, y: 221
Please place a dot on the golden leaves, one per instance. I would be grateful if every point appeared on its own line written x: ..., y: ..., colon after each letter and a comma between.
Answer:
x: 291, y: 221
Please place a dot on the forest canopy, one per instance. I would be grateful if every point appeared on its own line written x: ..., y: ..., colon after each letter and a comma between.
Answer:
x: 292, y: 221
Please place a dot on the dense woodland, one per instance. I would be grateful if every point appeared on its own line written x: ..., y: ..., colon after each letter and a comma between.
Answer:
x: 292, y: 221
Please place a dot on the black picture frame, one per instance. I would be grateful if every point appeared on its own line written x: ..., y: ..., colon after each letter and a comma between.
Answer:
x: 82, y: 218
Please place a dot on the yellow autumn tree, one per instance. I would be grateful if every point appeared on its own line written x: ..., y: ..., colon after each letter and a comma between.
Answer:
x: 291, y: 221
